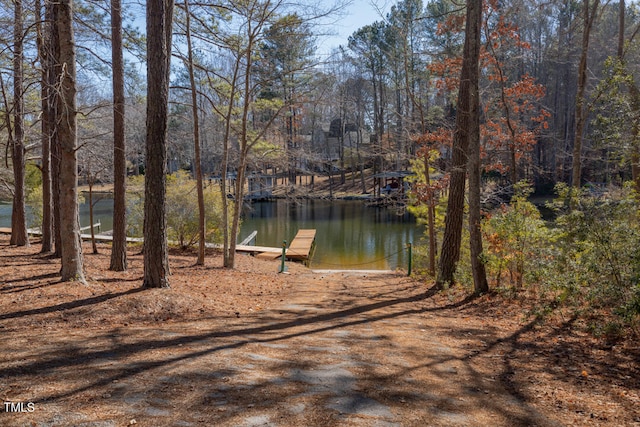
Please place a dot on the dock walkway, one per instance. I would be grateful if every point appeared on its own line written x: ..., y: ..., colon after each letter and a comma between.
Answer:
x: 302, y: 245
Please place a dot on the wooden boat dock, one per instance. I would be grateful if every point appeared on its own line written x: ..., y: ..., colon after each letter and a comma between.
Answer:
x: 302, y: 245
x: 300, y: 249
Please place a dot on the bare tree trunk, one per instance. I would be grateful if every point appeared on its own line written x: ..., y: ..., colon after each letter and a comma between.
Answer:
x: 156, y: 255
x: 119, y: 246
x: 54, y: 71
x: 196, y: 141
x: 621, y: 11
x: 474, y: 21
x: 19, y: 235
x: 43, y: 45
x: 431, y: 228
x: 70, y: 244
x: 94, y: 247
x: 244, y: 152
x: 55, y: 180
x: 589, y: 16
x: 227, y: 261
x: 363, y: 183
x: 450, y: 254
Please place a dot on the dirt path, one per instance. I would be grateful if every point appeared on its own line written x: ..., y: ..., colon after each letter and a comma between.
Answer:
x: 330, y: 350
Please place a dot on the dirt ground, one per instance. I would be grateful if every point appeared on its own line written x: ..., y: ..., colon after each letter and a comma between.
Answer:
x: 252, y: 347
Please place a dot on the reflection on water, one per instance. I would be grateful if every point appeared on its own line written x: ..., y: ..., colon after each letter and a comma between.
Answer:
x: 102, y: 212
x: 349, y: 234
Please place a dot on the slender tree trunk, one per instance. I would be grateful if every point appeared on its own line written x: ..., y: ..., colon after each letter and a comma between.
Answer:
x: 55, y: 180
x: 244, y: 152
x: 119, y: 246
x: 156, y: 255
x: 621, y: 11
x: 227, y: 260
x: 94, y: 246
x: 43, y: 44
x: 54, y: 71
x: 474, y: 20
x: 19, y: 234
x: 431, y: 228
x: 376, y: 120
x: 450, y: 254
x: 363, y: 183
x: 196, y: 141
x: 71, y: 245
x: 589, y: 15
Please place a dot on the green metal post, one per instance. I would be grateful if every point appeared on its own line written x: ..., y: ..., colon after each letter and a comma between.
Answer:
x: 284, y: 255
x: 410, y: 259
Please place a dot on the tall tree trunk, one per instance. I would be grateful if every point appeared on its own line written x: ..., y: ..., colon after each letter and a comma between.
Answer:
x: 54, y: 71
x: 244, y: 152
x: 227, y: 261
x: 119, y: 245
x: 19, y: 234
x: 589, y: 12
x: 621, y: 11
x: 196, y: 140
x: 71, y: 245
x: 44, y: 44
x: 156, y: 255
x: 450, y: 254
x: 474, y: 21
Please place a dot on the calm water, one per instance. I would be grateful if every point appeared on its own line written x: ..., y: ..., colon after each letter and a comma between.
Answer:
x: 102, y: 211
x: 349, y: 234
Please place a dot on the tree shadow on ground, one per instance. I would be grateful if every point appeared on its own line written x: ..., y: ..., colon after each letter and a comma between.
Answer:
x: 141, y: 352
x: 69, y: 305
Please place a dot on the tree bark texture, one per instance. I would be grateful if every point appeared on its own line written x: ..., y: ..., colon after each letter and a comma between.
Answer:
x: 474, y: 20
x: 156, y: 256
x: 119, y: 246
x: 451, y: 240
x: 71, y: 248
x: 589, y: 12
x: 19, y: 234
x: 44, y: 45
x: 54, y: 71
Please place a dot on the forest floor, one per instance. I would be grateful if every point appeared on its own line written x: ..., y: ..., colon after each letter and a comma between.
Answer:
x: 251, y: 347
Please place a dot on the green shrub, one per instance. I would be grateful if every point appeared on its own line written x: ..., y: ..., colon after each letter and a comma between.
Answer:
x: 181, y: 210
x: 516, y: 242
x: 598, y: 251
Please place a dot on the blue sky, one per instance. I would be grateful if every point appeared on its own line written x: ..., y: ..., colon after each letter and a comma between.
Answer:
x: 357, y: 15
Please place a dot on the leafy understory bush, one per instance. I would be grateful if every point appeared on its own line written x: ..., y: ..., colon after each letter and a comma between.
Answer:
x: 181, y: 210
x: 587, y: 260
x: 598, y: 261
x: 516, y: 242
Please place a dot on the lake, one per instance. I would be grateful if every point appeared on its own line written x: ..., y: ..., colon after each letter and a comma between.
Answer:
x: 102, y: 211
x: 349, y: 234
